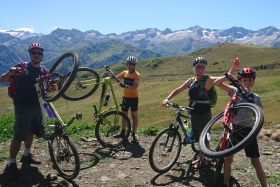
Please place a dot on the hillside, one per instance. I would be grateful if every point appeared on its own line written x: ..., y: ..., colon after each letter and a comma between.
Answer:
x: 161, y: 75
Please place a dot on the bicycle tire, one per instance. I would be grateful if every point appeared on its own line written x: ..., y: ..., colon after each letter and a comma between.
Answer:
x: 65, y: 80
x: 153, y: 156
x: 216, y: 125
x: 108, y: 133
x: 63, y: 150
x: 83, y: 78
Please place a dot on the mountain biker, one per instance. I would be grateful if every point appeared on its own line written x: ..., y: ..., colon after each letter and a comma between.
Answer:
x: 246, y: 77
x: 28, y: 117
x: 131, y: 79
x: 199, y: 100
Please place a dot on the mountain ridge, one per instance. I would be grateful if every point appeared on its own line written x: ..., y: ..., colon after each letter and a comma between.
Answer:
x: 143, y: 43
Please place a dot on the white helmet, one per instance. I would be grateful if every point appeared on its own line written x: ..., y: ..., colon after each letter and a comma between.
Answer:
x: 131, y: 59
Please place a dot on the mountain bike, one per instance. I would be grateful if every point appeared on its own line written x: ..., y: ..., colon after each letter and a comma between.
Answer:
x: 166, y: 147
x: 109, y: 122
x: 50, y: 87
x: 228, y: 132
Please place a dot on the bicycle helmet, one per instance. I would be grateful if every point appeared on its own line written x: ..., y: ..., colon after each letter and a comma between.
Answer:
x: 131, y: 59
x: 199, y: 60
x: 34, y: 46
x: 246, y: 72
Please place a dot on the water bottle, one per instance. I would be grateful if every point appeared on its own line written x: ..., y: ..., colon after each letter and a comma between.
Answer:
x: 187, y: 129
x: 49, y: 111
x: 191, y: 135
x: 106, y: 100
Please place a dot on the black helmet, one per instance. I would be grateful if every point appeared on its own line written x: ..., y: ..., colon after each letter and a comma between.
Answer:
x: 34, y: 46
x: 131, y: 59
x: 246, y: 72
x: 199, y: 60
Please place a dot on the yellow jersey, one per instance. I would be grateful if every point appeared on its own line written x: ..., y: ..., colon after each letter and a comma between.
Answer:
x: 129, y: 79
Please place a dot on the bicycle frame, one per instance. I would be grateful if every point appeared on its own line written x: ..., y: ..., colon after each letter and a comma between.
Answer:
x: 59, y: 122
x: 106, y: 83
x: 179, y: 121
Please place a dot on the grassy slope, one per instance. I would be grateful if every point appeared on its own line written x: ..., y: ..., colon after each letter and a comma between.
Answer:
x: 161, y: 75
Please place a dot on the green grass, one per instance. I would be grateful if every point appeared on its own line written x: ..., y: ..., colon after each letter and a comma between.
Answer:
x: 274, y: 178
x: 170, y: 72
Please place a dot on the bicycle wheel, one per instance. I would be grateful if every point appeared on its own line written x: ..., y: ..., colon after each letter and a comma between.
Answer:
x: 108, y: 129
x: 60, y: 78
x: 85, y: 83
x: 165, y: 150
x: 64, y: 156
x: 247, y: 122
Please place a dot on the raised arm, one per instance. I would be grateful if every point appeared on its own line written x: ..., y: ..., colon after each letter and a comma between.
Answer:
x: 175, y: 92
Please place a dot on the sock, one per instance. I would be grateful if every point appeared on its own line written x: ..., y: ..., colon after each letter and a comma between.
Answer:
x: 11, y: 161
x: 27, y: 151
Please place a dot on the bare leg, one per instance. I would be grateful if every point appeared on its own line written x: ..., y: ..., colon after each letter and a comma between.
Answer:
x: 123, y: 121
x: 14, y: 148
x: 134, y: 122
x: 28, y: 141
x: 227, y: 168
x: 259, y: 170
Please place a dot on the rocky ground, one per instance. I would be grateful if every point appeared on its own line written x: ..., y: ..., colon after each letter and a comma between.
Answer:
x: 129, y: 166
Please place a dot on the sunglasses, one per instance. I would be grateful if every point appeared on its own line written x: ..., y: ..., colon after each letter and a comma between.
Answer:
x: 37, y: 53
x: 132, y: 64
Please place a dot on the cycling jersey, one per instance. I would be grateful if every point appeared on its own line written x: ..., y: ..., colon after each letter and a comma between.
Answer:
x: 130, y: 78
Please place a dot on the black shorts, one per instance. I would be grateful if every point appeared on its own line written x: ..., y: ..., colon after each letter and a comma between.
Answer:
x: 28, y: 121
x: 131, y: 103
x: 199, y: 121
x: 251, y: 148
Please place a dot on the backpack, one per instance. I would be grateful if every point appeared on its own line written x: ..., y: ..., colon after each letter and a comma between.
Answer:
x: 212, y: 94
x: 12, y: 85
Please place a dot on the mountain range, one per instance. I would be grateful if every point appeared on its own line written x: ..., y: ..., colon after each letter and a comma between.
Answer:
x: 96, y: 49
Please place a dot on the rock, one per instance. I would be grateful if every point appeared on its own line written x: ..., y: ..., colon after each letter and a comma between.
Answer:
x: 105, y: 179
x: 88, y: 139
x: 276, y: 135
x: 121, y: 175
x: 267, y: 153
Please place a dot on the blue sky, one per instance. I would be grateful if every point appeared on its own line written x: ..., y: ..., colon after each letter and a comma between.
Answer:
x: 108, y: 16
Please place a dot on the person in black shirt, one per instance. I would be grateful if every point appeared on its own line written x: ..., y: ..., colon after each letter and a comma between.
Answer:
x: 27, y: 109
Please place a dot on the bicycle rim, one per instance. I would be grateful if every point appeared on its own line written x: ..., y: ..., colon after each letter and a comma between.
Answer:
x: 64, y: 156
x: 64, y: 70
x: 165, y: 150
x: 85, y: 83
x: 234, y: 139
x: 109, y: 127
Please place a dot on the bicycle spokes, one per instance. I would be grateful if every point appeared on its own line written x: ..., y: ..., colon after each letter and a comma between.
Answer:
x: 242, y: 123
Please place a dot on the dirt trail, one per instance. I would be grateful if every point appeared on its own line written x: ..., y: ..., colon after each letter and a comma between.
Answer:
x: 129, y: 166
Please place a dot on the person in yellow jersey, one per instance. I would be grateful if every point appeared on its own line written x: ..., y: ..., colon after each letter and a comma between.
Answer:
x: 131, y: 79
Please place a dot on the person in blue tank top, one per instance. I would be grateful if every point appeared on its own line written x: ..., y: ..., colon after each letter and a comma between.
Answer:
x: 27, y: 110
x: 198, y: 99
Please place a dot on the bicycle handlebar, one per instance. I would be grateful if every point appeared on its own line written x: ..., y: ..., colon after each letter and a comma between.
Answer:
x: 240, y: 88
x: 177, y: 106
x: 108, y: 69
